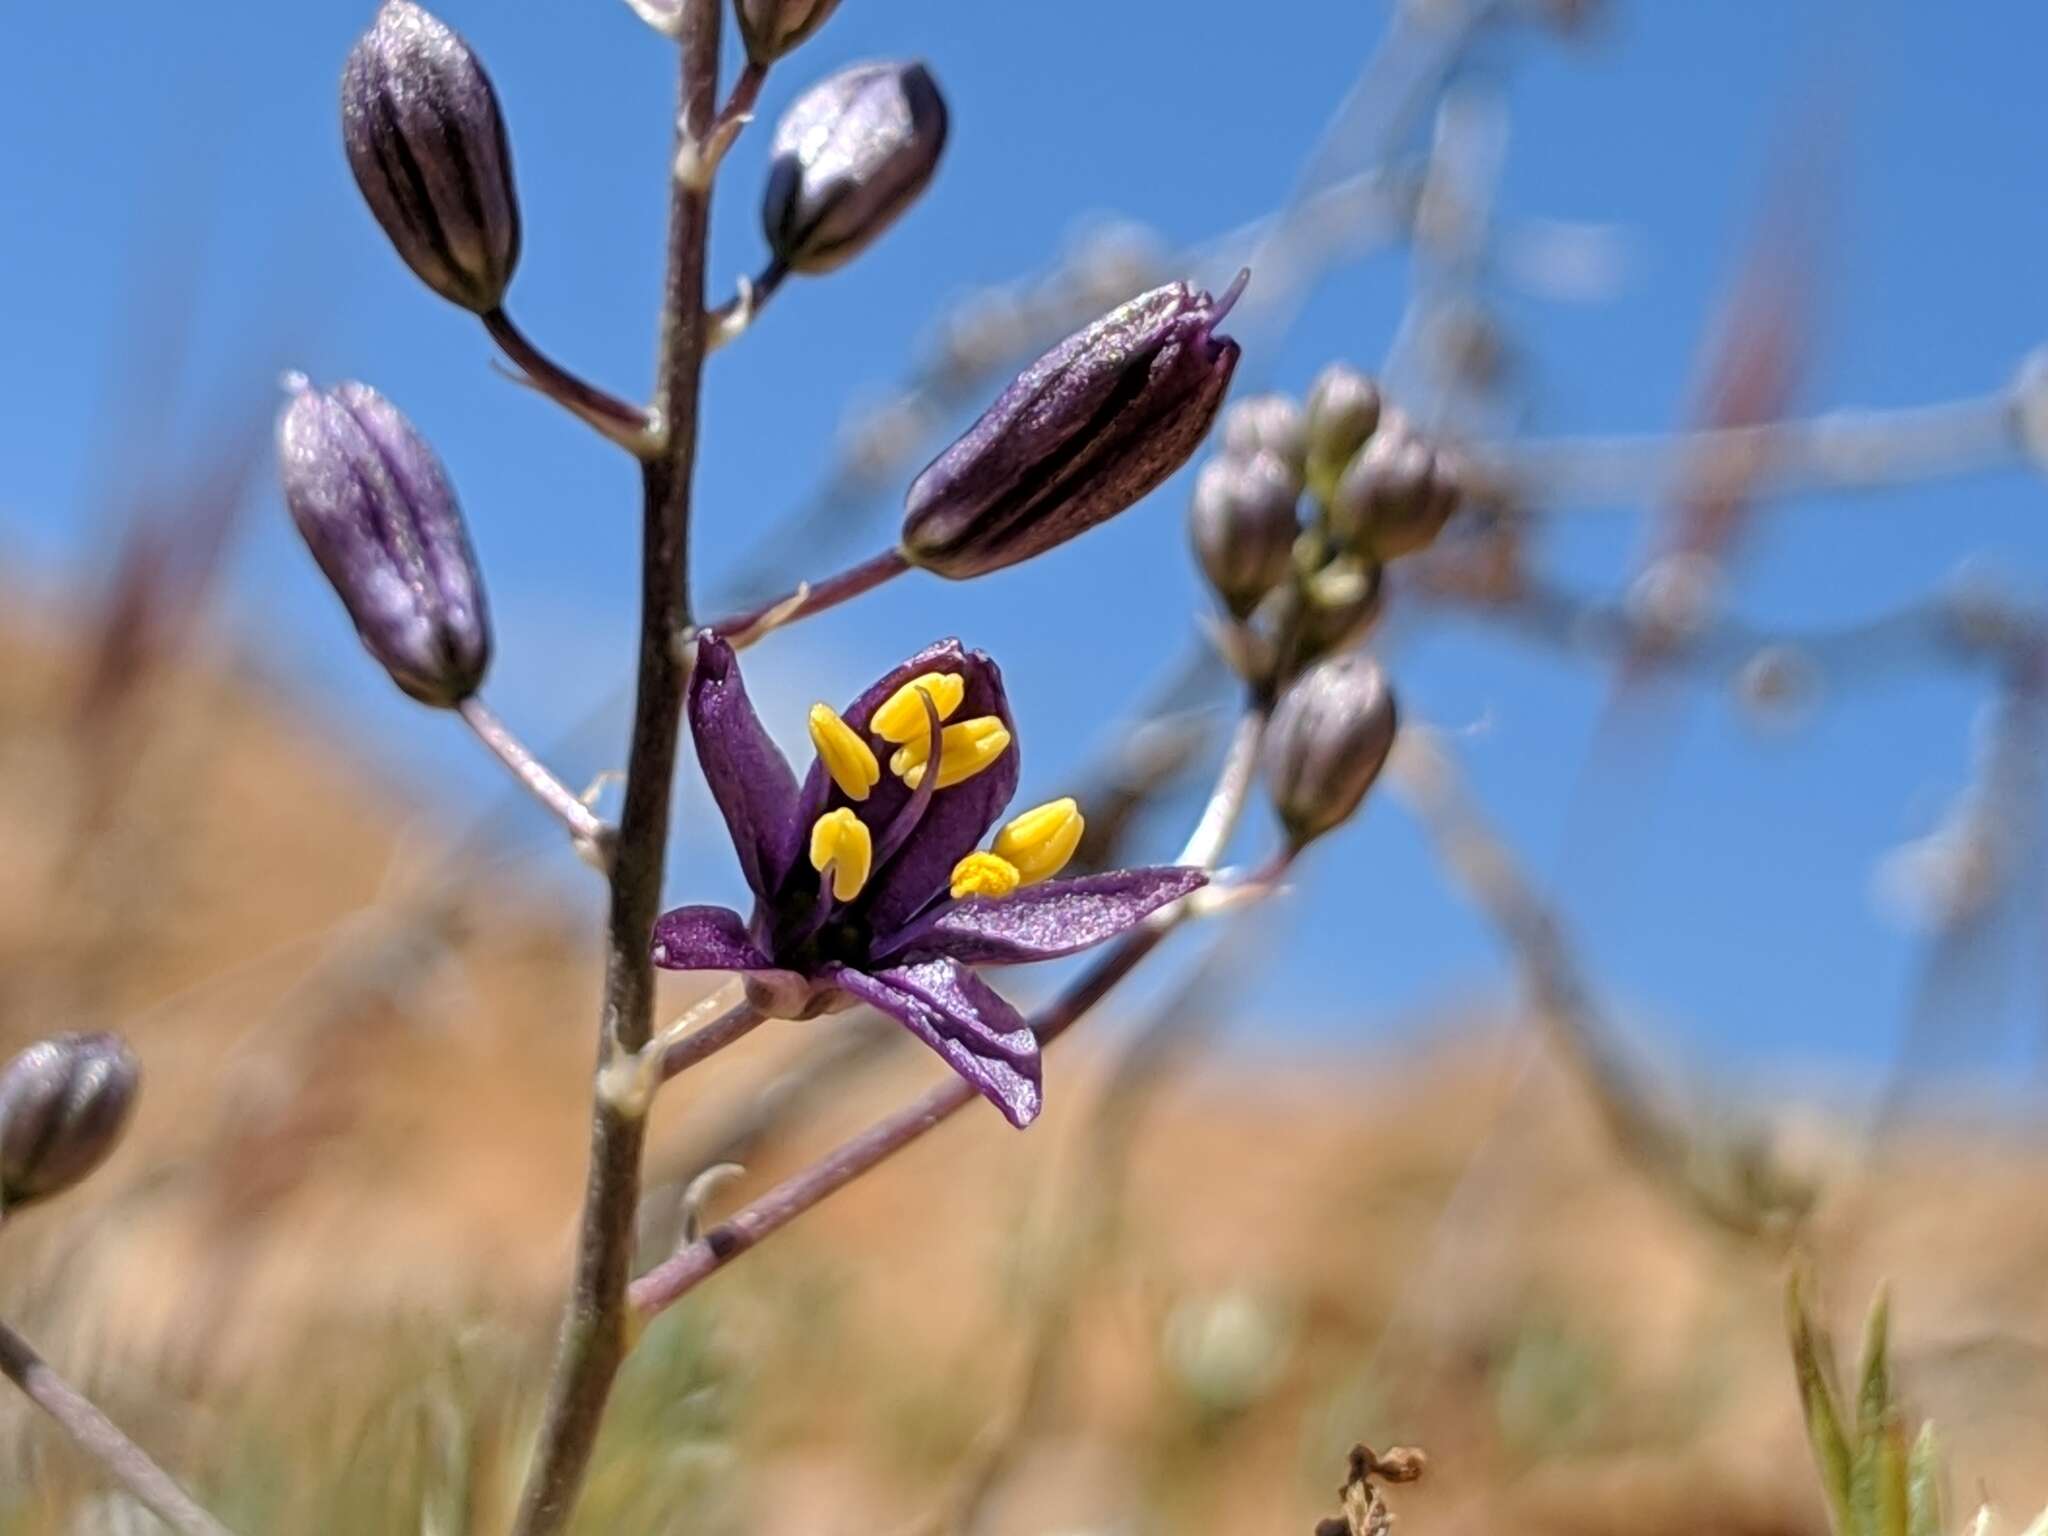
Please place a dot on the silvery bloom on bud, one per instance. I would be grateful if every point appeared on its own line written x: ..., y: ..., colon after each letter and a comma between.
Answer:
x: 773, y: 27
x: 847, y: 159
x: 1343, y: 411
x: 1267, y: 424
x: 64, y: 1103
x: 1242, y: 521
x: 1078, y: 436
x: 427, y: 145
x: 1395, y: 497
x: 1326, y: 744
x: 376, y: 508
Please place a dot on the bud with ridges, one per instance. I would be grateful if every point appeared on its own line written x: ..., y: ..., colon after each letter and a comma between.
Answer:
x: 1395, y: 496
x: 773, y: 27
x: 375, y: 506
x: 1343, y: 411
x: 847, y: 159
x: 1326, y: 743
x: 1242, y: 521
x: 1078, y: 436
x: 64, y: 1103
x: 427, y: 144
x: 1267, y: 424
x: 1340, y: 603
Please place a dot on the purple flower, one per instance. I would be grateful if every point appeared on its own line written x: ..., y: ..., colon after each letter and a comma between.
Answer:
x: 869, y: 882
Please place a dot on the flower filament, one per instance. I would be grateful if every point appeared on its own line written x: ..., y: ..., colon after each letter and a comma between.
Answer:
x: 841, y: 843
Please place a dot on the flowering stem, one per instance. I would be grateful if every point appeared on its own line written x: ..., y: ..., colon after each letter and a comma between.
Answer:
x: 594, y: 1326
x: 699, y: 1259
x: 687, y: 1048
x: 625, y: 424
x: 98, y: 1436
x: 743, y: 629
x: 593, y: 839
x: 1234, y: 780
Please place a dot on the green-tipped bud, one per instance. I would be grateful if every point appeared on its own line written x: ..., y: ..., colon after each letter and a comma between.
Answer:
x: 1343, y: 411
x: 1243, y: 525
x: 773, y: 27
x: 1394, y: 498
x: 1340, y: 603
x: 64, y: 1103
x: 1267, y: 424
x: 1327, y: 741
x: 427, y: 144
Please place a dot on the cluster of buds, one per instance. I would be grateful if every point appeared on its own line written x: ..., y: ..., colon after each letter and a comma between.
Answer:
x: 64, y: 1103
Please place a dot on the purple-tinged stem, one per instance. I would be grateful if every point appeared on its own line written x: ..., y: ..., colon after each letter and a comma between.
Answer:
x: 101, y: 1439
x: 624, y: 423
x: 586, y: 828
x: 593, y: 1338
x: 734, y: 1024
x: 810, y: 598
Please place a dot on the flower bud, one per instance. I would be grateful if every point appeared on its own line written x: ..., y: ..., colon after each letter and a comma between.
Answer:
x: 773, y: 27
x: 1340, y: 603
x: 1327, y: 741
x: 1343, y: 411
x: 375, y: 506
x: 847, y: 159
x: 1078, y: 436
x: 1267, y: 424
x: 427, y: 145
x: 64, y: 1103
x: 1243, y: 525
x: 1395, y: 497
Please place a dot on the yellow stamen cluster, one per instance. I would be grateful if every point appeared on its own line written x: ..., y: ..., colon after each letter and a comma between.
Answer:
x: 902, y: 716
x: 983, y: 874
x: 1034, y: 847
x: 841, y: 842
x: 964, y: 750
x: 849, y: 760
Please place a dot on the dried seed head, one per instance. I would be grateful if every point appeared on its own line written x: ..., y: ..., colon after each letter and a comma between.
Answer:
x: 1243, y: 524
x: 847, y: 159
x: 64, y: 1103
x: 1343, y: 411
x: 1394, y: 498
x: 427, y: 145
x: 773, y: 27
x: 375, y: 506
x: 1328, y: 739
x: 1076, y: 438
x: 1267, y: 424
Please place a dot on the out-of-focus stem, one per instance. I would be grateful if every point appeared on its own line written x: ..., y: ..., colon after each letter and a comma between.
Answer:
x: 593, y: 1338
x: 101, y: 1439
x: 624, y: 423
x: 586, y: 828
x: 686, y: 1047
x: 1234, y: 781
x: 810, y: 598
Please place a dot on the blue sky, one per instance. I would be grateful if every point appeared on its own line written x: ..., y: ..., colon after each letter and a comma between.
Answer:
x: 170, y: 174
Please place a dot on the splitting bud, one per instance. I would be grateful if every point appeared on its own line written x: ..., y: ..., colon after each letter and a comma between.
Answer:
x: 374, y: 505
x: 1243, y: 525
x: 773, y: 27
x: 1327, y: 741
x: 64, y: 1103
x: 1395, y: 496
x: 427, y: 144
x: 847, y: 159
x: 1080, y: 435
x: 1343, y: 411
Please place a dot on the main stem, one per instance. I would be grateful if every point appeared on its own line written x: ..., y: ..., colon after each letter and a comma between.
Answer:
x: 593, y: 1337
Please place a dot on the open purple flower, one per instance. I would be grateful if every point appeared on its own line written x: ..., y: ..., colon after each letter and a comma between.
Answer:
x: 870, y: 885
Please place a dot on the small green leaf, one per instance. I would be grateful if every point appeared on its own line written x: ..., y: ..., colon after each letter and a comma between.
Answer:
x: 1874, y: 1379
x: 1814, y: 1370
x: 1923, y: 1485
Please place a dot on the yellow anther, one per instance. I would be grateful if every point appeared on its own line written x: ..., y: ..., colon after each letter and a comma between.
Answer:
x: 1040, y: 842
x: 964, y: 750
x: 983, y: 874
x: 849, y: 760
x: 840, y: 842
x: 903, y: 719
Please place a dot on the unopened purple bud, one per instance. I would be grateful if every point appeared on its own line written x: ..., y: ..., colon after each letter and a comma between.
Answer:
x: 1395, y: 496
x: 1343, y: 411
x: 376, y: 508
x: 427, y: 144
x: 64, y: 1103
x: 773, y: 27
x: 1080, y: 435
x: 848, y: 158
x: 1326, y: 743
x: 1242, y: 521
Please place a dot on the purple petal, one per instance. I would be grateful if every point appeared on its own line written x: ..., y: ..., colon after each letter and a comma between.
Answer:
x: 749, y: 778
x: 1042, y: 922
x: 706, y: 939
x: 959, y: 817
x: 957, y: 1014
